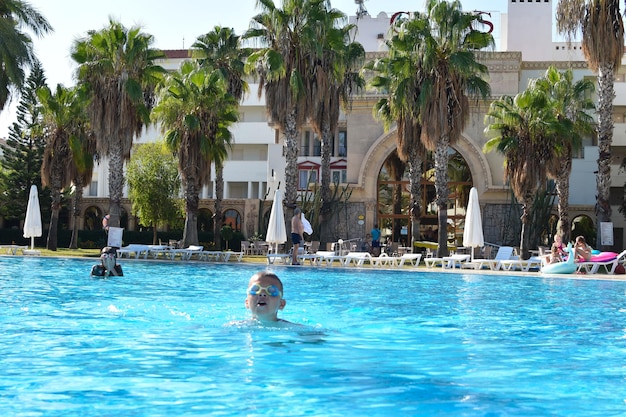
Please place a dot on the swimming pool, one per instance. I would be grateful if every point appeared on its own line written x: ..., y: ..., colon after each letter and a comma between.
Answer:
x: 153, y: 343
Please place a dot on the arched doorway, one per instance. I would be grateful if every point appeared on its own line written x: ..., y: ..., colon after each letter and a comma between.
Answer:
x: 393, y: 199
x: 205, y: 220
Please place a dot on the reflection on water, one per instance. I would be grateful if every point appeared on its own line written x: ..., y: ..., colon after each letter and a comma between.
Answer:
x: 376, y: 343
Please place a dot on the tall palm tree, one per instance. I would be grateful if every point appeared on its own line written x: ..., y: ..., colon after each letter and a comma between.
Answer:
x: 117, y: 67
x: 399, y: 75
x: 221, y: 49
x: 570, y: 101
x: 16, y: 47
x: 523, y: 126
x: 603, y: 45
x: 195, y: 111
x: 334, y: 74
x: 288, y: 37
x: 444, y: 43
x: 64, y: 118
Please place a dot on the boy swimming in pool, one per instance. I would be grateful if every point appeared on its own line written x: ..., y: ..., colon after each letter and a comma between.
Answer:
x: 265, y: 298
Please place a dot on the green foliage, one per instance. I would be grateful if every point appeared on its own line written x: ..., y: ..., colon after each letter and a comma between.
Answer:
x: 23, y: 153
x: 311, y: 204
x: 154, y: 184
x: 227, y: 233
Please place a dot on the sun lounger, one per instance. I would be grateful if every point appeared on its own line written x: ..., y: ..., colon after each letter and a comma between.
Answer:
x: 281, y: 257
x: 609, y: 265
x: 533, y: 262
x: 134, y: 249
x: 155, y: 251
x: 313, y: 258
x: 358, y: 259
x: 504, y: 253
x: 329, y: 257
x: 454, y: 261
x: 13, y: 249
x: 186, y: 253
x: 412, y: 258
x: 433, y: 262
x: 385, y: 260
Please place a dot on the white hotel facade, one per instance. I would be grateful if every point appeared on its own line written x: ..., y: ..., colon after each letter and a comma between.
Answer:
x: 525, y: 49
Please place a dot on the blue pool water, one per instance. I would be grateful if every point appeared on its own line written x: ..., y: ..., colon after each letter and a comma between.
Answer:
x: 380, y: 343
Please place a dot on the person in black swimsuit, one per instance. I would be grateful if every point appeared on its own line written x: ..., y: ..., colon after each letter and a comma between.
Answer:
x: 108, y: 265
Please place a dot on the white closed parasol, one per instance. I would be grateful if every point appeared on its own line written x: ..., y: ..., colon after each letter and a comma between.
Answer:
x: 32, y: 223
x: 276, y: 230
x: 473, y: 232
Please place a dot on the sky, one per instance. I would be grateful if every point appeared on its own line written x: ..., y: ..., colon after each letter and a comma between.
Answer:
x: 174, y: 25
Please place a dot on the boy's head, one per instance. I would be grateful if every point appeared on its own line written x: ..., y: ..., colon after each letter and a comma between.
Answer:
x: 265, y: 296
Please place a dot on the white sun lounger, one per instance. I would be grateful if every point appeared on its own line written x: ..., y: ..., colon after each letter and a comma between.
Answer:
x: 522, y: 265
x: 593, y: 267
x: 504, y: 253
x: 358, y: 259
x: 329, y: 257
x: 413, y: 259
x: 134, y: 249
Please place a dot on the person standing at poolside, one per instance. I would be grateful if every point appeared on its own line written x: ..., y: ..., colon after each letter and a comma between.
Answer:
x: 375, y: 241
x: 297, y: 234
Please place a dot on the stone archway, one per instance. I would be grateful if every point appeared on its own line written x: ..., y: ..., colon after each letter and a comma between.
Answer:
x: 373, y: 163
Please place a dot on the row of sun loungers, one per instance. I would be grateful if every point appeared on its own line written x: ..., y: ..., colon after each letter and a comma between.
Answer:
x: 357, y: 259
x: 166, y: 252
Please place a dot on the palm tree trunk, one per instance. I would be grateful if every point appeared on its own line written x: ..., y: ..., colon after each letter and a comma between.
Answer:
x: 606, y: 94
x: 192, y: 201
x: 76, y: 200
x: 219, y: 197
x: 116, y: 185
x: 562, y: 191
x: 54, y: 218
x: 326, y: 152
x: 291, y: 167
x: 415, y: 176
x: 291, y: 160
x: 441, y: 188
x: 526, y: 215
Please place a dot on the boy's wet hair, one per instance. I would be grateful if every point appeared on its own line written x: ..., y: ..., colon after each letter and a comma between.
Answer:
x: 270, y: 275
x: 109, y: 250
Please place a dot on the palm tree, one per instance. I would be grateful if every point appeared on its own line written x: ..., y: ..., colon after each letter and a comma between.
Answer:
x: 221, y: 49
x: 570, y: 101
x: 288, y: 36
x: 399, y: 75
x: 523, y: 127
x: 195, y: 111
x: 444, y: 45
x: 16, y: 47
x: 64, y: 119
x: 334, y: 75
x: 603, y: 45
x: 116, y: 65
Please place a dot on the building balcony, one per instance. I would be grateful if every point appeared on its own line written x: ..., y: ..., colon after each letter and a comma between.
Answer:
x: 620, y: 94
x: 253, y: 133
x: 619, y: 134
